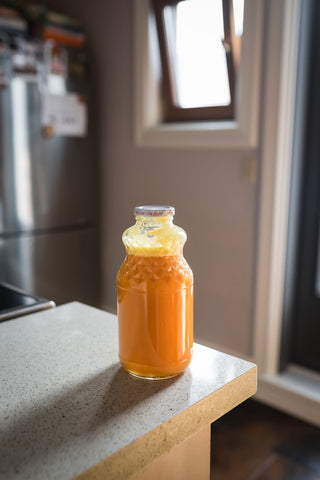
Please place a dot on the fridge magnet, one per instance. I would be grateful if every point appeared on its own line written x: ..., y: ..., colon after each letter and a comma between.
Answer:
x: 64, y: 115
x: 4, y: 78
x: 4, y: 61
x: 4, y: 44
x: 24, y: 60
x: 56, y: 59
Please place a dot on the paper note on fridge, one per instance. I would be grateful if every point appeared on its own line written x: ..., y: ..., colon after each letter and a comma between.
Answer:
x: 65, y: 114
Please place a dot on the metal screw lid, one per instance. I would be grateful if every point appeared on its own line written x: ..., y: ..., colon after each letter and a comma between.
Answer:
x: 154, y: 211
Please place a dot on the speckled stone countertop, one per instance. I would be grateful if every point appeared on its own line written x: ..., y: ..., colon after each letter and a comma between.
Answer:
x: 68, y: 409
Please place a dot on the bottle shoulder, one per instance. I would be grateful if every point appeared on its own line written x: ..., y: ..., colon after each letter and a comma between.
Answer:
x: 154, y: 239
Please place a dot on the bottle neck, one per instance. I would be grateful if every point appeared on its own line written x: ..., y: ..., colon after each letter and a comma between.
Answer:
x: 154, y: 222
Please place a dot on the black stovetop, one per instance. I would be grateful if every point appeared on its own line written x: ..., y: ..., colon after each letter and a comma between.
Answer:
x: 15, y: 302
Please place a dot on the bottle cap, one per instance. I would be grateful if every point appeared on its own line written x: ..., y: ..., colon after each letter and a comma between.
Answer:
x: 154, y: 211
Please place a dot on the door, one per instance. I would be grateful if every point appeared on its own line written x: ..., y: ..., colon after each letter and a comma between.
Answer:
x: 305, y: 317
x: 45, y: 182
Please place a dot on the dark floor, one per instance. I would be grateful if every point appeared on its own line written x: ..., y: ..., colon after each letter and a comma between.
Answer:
x: 255, y: 442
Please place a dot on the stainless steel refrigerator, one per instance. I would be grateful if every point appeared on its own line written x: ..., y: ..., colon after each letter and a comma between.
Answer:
x: 48, y: 199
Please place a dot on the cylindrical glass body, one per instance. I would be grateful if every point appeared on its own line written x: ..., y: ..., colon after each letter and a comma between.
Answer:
x: 155, y: 297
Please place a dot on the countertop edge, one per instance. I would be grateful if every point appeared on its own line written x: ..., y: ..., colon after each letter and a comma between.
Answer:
x: 138, y: 455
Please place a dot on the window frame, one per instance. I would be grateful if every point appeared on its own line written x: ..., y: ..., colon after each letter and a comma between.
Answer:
x: 149, y: 129
x: 172, y: 111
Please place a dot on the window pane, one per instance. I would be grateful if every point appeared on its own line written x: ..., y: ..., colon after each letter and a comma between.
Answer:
x: 194, y: 34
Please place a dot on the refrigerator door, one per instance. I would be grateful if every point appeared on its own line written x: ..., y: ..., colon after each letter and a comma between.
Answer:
x: 44, y: 182
x: 60, y: 266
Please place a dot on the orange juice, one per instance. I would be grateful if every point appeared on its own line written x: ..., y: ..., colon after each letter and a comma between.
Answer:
x: 155, y: 298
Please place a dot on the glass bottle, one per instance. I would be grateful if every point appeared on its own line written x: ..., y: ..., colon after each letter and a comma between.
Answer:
x: 155, y: 296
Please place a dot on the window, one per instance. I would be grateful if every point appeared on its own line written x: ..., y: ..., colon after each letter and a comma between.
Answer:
x: 150, y: 129
x: 200, y: 43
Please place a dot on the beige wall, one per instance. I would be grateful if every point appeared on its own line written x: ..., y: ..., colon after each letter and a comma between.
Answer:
x: 213, y: 203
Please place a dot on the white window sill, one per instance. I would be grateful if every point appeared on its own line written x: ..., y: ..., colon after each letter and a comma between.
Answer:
x: 295, y: 391
x: 193, y: 135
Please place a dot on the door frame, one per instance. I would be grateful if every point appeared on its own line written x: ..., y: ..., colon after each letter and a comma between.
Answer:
x: 293, y: 390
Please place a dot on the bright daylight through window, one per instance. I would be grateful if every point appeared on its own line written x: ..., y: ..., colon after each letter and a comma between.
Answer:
x: 200, y: 43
